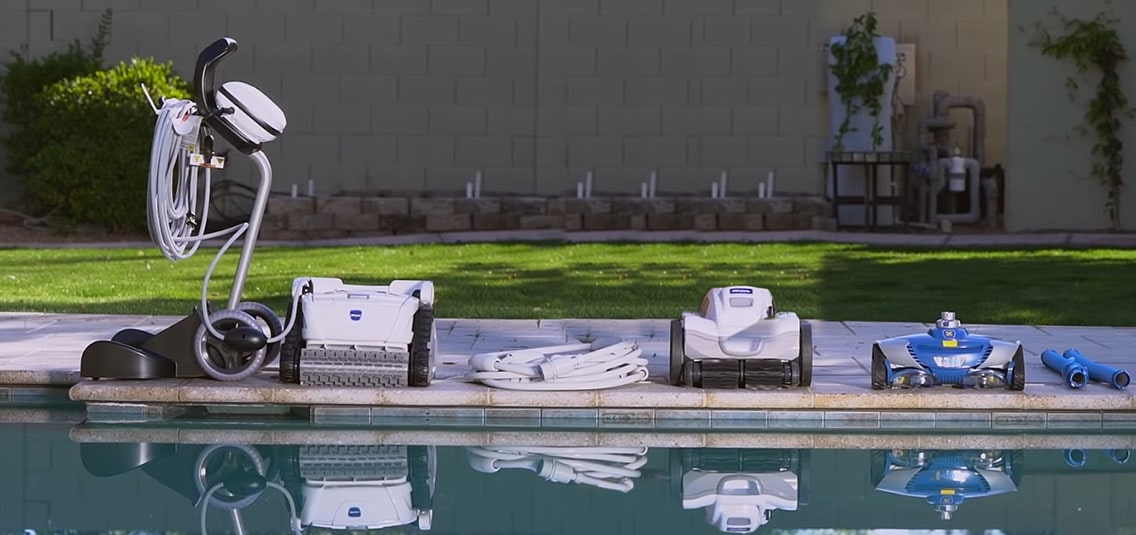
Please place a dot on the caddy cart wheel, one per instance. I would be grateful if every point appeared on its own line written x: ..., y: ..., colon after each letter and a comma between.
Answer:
x: 1018, y: 375
x: 677, y: 356
x: 269, y: 323
x: 879, y: 368
x: 219, y: 358
x: 806, y: 357
x: 422, y: 347
x: 291, y: 347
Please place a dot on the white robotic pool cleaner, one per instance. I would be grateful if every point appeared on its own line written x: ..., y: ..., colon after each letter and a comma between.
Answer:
x: 739, y: 339
x: 361, y: 488
x: 740, y: 489
x: 337, y: 334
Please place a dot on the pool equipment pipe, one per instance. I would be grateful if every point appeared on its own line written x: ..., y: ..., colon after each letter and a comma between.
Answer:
x: 1075, y: 374
x: 1116, y: 377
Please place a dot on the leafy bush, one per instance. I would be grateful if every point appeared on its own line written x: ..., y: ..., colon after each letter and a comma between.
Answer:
x: 95, y: 134
x: 27, y: 77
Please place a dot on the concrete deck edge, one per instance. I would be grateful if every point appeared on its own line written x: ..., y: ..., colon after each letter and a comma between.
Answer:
x: 644, y: 397
x: 125, y: 434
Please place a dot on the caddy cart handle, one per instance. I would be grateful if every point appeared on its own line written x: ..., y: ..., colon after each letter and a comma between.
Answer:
x: 205, y: 93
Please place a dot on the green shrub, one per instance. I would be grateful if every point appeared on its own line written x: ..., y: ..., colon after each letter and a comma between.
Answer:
x: 26, y: 78
x: 96, y: 133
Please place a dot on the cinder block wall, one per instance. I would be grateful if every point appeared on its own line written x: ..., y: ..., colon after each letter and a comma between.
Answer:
x: 1049, y: 186
x: 419, y: 94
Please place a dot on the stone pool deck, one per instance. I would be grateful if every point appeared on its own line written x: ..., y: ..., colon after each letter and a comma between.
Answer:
x: 40, y: 355
x: 43, y: 350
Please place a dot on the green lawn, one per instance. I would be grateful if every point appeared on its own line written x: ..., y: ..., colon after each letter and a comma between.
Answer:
x: 824, y: 281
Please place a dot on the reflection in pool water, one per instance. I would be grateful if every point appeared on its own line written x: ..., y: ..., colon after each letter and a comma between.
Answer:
x: 242, y: 482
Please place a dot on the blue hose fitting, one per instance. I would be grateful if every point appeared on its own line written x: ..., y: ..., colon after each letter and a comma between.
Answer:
x: 1116, y: 377
x: 1076, y: 374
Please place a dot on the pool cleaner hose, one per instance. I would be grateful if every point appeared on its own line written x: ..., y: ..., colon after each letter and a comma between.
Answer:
x: 1075, y: 374
x: 569, y: 367
x: 1116, y: 377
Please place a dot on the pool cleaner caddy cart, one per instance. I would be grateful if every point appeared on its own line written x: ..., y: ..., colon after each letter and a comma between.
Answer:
x: 336, y: 334
x: 739, y: 339
x: 947, y: 354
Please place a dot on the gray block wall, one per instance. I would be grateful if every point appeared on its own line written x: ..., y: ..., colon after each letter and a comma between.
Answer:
x: 418, y: 95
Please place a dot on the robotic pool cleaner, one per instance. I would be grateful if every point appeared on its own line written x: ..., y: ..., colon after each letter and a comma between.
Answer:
x: 739, y: 339
x: 947, y: 354
x: 739, y: 489
x: 336, y: 334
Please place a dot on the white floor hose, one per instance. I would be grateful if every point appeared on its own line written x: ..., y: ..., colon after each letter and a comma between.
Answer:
x: 176, y: 223
x: 566, y: 367
x: 607, y: 468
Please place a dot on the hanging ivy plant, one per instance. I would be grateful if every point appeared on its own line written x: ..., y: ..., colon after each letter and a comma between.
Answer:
x: 1094, y: 48
x: 861, y: 79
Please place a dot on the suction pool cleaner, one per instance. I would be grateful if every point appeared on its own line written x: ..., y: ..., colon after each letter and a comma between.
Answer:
x: 739, y: 339
x: 1074, y: 373
x: 338, y: 335
x: 945, y: 479
x: 947, y: 354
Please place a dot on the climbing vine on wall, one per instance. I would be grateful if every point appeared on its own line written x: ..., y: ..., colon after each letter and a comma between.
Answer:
x: 1095, y: 49
x: 861, y: 79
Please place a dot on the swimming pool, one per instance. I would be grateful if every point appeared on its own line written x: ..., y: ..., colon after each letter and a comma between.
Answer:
x: 246, y: 477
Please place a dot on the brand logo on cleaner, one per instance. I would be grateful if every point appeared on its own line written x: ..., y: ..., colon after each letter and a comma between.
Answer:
x: 355, y: 315
x: 741, y: 291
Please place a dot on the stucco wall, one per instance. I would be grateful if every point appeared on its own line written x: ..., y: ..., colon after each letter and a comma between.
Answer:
x: 416, y: 94
x: 1049, y: 185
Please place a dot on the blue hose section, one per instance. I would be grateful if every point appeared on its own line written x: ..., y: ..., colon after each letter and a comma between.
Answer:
x: 1076, y: 457
x: 1116, y: 377
x: 1076, y: 375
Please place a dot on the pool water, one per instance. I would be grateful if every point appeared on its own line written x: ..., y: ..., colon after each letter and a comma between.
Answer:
x: 69, y: 478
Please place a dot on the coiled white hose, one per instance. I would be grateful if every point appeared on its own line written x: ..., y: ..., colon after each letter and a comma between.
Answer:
x: 607, y: 468
x: 176, y: 222
x: 567, y: 367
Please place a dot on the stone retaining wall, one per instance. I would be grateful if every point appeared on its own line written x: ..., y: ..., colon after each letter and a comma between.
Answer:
x: 346, y: 216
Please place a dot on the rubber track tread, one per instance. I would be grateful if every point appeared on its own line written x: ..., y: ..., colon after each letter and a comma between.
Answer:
x: 353, y: 462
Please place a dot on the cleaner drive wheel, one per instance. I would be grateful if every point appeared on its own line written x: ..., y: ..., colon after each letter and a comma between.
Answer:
x: 423, y: 346
x: 678, y: 358
x: 269, y: 323
x: 806, y: 357
x: 423, y: 462
x: 219, y: 359
x: 879, y: 368
x: 1018, y: 376
x: 291, y: 347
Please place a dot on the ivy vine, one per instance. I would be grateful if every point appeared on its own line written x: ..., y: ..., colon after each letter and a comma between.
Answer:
x: 1094, y: 47
x: 861, y: 79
